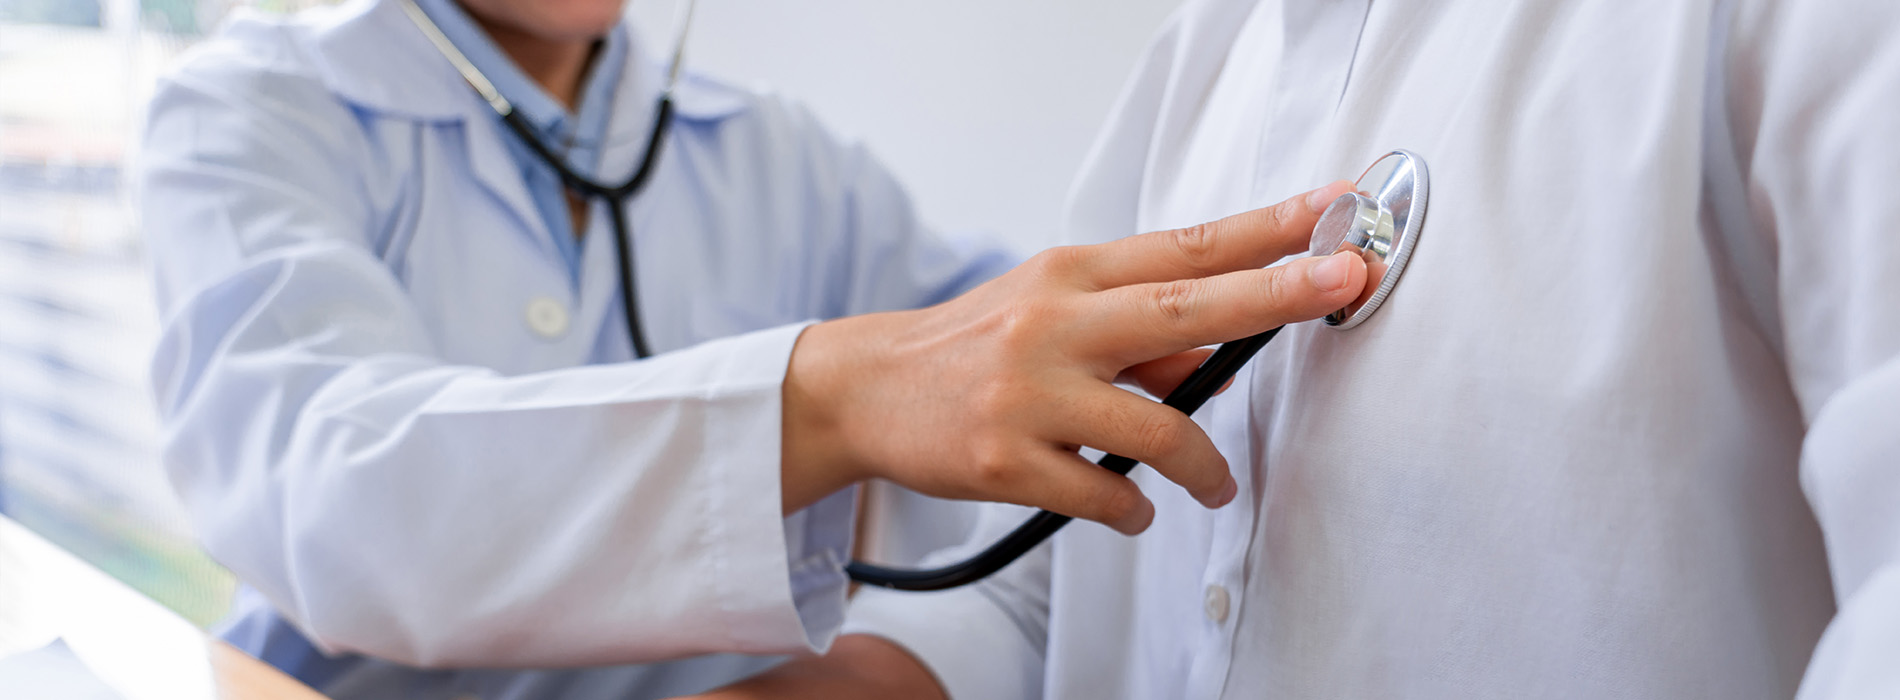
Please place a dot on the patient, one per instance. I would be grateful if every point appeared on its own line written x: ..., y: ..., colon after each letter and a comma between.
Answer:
x: 1567, y: 459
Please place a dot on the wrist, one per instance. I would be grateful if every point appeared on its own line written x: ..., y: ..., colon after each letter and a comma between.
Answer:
x: 817, y: 454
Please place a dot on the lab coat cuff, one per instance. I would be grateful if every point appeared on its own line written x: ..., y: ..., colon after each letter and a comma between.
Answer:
x: 781, y: 578
x: 972, y: 646
x: 818, y: 543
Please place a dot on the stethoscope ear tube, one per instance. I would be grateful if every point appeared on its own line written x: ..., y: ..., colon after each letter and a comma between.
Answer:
x: 1200, y: 386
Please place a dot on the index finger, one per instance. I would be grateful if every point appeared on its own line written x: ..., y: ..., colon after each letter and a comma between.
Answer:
x: 1141, y: 322
x: 1243, y: 241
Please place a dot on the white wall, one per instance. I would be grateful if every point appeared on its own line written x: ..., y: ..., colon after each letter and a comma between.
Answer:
x: 983, y: 107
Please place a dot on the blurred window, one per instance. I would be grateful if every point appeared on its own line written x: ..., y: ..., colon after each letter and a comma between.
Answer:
x: 78, y: 433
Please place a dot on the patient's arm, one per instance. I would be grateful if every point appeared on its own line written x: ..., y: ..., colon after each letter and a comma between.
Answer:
x: 858, y: 666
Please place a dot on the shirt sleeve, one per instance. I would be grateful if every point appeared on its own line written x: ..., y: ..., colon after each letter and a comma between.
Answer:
x: 989, y: 640
x: 984, y: 641
x: 1809, y: 93
x: 395, y: 504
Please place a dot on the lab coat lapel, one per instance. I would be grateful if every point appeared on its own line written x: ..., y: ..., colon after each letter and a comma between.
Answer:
x: 365, y: 38
x: 495, y: 168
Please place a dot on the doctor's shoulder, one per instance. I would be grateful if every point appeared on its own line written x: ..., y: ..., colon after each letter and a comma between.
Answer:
x: 249, y: 151
x: 258, y: 80
x: 314, y: 106
x: 256, y: 55
x: 770, y: 127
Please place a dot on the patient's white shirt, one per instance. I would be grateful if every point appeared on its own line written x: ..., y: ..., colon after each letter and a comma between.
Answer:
x: 1565, y: 459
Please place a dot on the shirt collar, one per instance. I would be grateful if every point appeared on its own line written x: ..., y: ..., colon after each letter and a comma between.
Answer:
x: 597, y: 92
x: 357, y: 45
x: 529, y: 98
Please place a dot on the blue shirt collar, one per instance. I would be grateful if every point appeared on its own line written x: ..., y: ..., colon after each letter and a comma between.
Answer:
x: 555, y: 123
x: 358, y: 42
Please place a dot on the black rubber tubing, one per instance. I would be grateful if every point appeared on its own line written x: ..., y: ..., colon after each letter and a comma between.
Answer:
x: 1206, y: 380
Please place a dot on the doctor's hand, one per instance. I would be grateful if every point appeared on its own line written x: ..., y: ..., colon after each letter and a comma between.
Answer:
x: 989, y: 395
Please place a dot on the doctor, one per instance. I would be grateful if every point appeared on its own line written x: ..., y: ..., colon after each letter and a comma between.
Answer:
x: 397, y: 385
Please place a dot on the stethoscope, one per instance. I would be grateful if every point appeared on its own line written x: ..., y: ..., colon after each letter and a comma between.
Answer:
x: 615, y: 195
x: 1380, y: 221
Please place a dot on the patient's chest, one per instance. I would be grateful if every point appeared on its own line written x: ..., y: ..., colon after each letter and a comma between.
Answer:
x: 1557, y: 440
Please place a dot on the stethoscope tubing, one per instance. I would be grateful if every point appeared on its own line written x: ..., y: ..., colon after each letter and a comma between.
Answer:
x: 1201, y: 385
x: 616, y: 198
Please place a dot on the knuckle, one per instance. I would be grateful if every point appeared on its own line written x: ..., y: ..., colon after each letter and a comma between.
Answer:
x: 1276, y: 291
x: 992, y: 465
x: 1117, y: 501
x: 1282, y: 215
x: 1021, y: 325
x: 1175, y: 301
x: 1160, y: 434
x: 1195, y: 244
x: 1059, y: 261
x: 994, y: 398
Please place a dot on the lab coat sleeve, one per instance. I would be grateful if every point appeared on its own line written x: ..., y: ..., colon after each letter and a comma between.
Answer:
x: 989, y: 640
x: 984, y: 641
x: 394, y: 504
x: 1811, y: 91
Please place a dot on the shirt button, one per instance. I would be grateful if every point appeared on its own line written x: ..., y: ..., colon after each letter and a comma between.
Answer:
x: 1215, y: 604
x: 547, y: 317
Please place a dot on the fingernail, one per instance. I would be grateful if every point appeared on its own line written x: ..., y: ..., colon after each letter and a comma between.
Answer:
x: 1227, y: 493
x: 1318, y: 200
x: 1138, y: 519
x: 1330, y: 274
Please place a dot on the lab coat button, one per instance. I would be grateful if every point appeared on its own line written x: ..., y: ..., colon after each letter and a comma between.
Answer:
x: 547, y: 318
x: 1216, y: 604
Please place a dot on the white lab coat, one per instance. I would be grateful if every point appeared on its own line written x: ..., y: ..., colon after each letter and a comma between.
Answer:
x: 1564, y: 460
x: 390, y: 410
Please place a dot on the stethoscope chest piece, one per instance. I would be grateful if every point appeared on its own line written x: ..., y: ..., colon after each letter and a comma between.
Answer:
x: 1381, y: 223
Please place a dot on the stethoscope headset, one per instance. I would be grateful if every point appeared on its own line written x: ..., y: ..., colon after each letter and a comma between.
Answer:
x: 1381, y: 224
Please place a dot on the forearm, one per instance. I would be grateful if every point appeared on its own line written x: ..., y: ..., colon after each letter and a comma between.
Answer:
x: 858, y: 666
x: 988, y: 395
x: 302, y: 452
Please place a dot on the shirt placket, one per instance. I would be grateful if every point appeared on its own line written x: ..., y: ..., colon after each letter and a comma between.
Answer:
x: 1320, y: 41
x: 1222, y: 577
